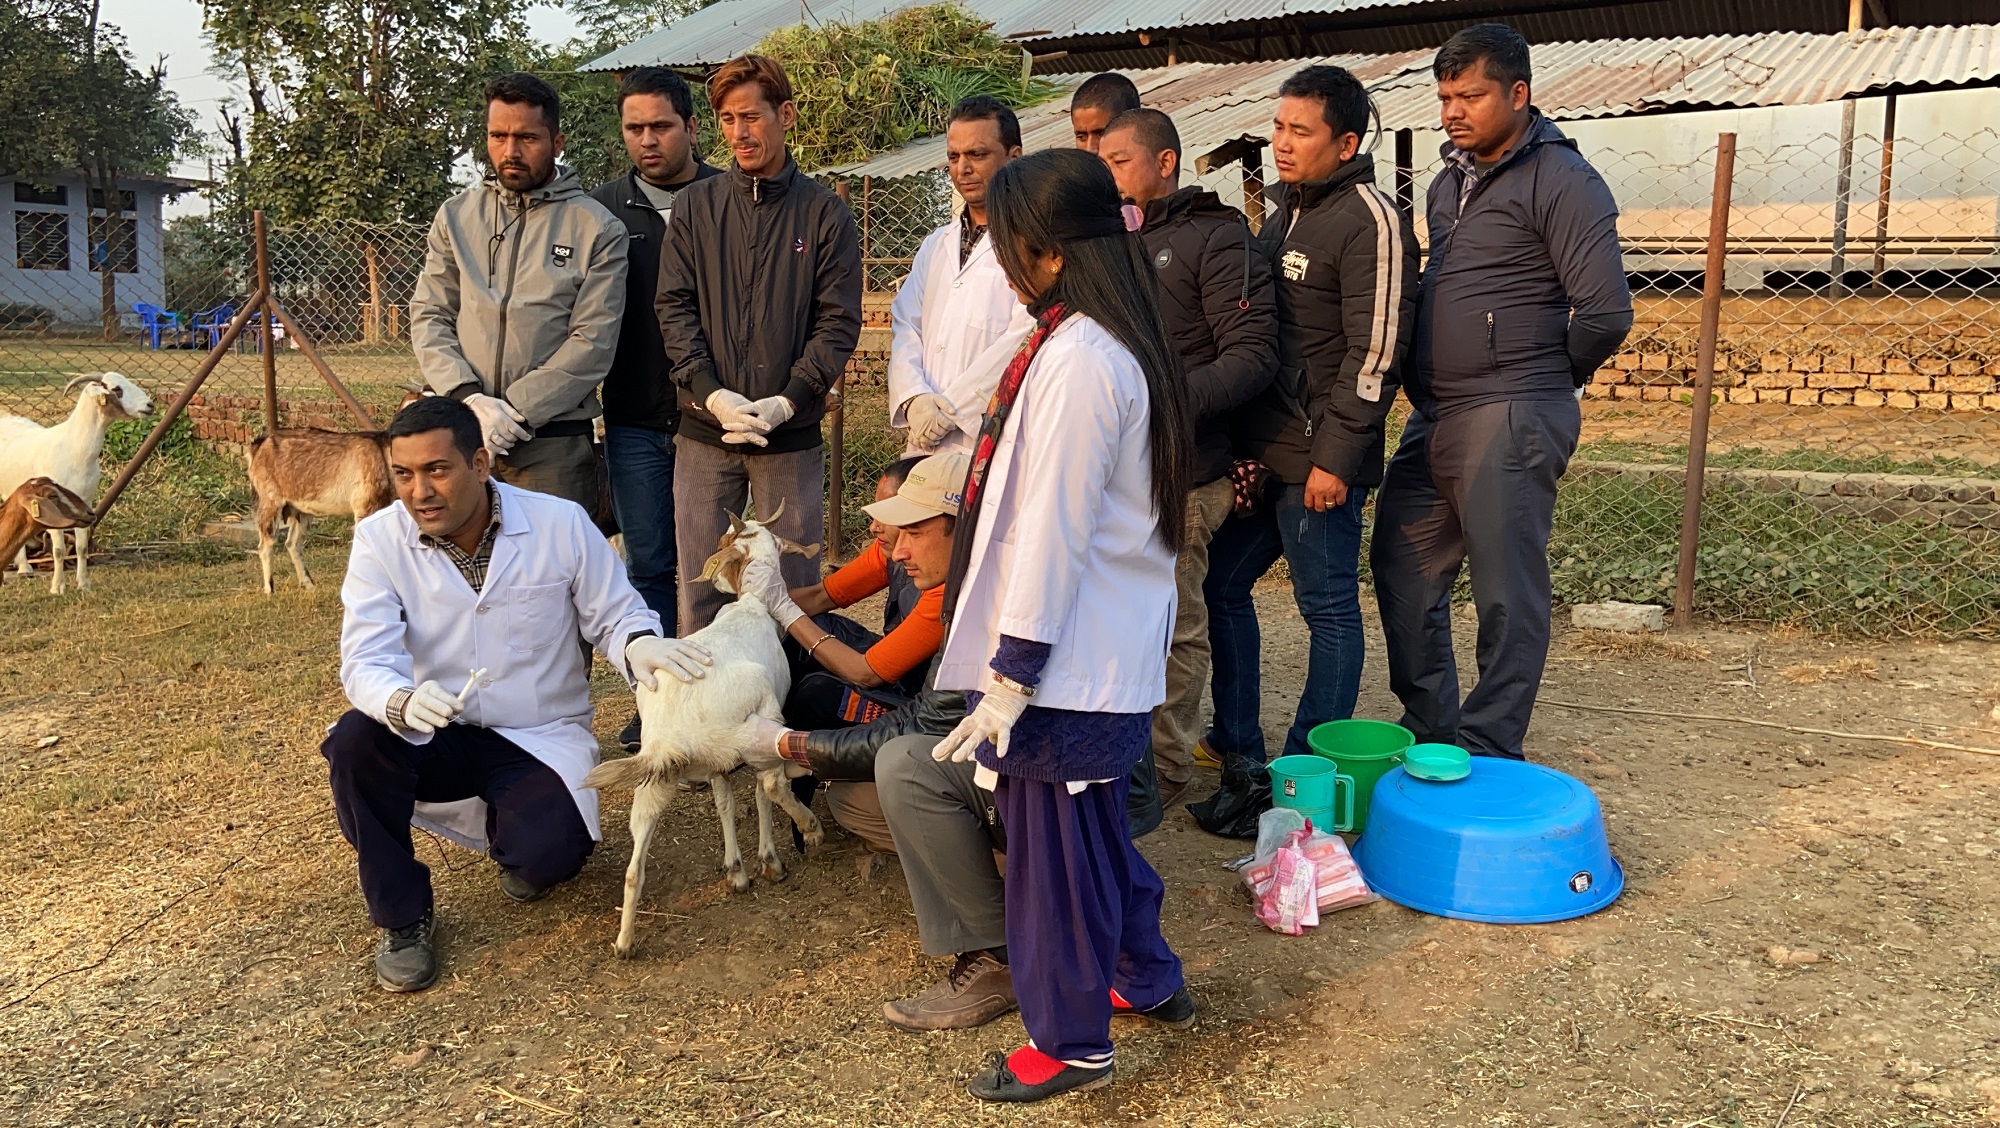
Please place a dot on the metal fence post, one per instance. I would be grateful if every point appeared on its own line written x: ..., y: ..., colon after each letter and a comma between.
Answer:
x: 836, y: 420
x: 268, y: 344
x: 1704, y: 377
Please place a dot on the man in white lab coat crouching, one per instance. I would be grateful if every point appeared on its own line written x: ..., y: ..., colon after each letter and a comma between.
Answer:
x: 956, y: 323
x: 471, y: 582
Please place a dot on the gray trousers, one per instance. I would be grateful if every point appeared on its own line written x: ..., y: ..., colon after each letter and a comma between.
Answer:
x: 1479, y: 483
x: 562, y: 465
x: 1177, y: 723
x: 710, y: 483
x: 946, y: 832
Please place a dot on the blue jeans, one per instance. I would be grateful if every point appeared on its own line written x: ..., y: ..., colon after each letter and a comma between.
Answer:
x: 640, y: 462
x: 1324, y: 552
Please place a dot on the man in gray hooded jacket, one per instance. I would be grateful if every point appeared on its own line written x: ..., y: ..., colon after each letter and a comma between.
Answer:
x: 1523, y: 298
x: 517, y: 311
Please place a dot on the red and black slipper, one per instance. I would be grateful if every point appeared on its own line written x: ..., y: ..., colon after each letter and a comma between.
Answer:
x: 1177, y: 1011
x: 1028, y: 1075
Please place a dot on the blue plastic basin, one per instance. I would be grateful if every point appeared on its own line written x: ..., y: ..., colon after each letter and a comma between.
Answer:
x: 1512, y: 843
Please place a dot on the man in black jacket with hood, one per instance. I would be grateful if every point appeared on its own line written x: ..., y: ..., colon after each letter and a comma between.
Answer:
x: 1346, y: 266
x: 1523, y: 298
x: 760, y: 308
x: 1217, y: 301
x: 656, y: 113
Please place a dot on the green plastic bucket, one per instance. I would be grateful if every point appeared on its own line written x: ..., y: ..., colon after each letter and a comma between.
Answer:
x: 1362, y: 753
x: 1307, y: 784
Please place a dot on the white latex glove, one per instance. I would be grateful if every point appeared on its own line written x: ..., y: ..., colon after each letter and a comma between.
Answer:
x: 1579, y: 393
x: 930, y: 420
x: 650, y: 655
x: 762, y: 579
x: 430, y: 708
x: 739, y: 423
x: 993, y: 720
x: 771, y: 411
x: 761, y: 753
x: 499, y: 424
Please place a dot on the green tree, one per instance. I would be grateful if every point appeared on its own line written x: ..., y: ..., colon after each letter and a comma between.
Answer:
x: 359, y: 110
x: 72, y: 101
x: 868, y: 87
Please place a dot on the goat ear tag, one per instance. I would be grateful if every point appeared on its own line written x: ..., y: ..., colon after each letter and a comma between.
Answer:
x: 35, y: 509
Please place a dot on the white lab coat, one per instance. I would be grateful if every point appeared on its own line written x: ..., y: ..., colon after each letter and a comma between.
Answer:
x: 411, y: 617
x: 955, y: 329
x: 1067, y: 549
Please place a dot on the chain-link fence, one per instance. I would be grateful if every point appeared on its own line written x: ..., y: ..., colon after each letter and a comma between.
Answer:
x: 1852, y: 479
x: 1851, y: 483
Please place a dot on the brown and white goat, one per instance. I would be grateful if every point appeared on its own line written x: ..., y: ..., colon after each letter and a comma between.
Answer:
x: 35, y: 505
x: 302, y: 473
x: 697, y: 730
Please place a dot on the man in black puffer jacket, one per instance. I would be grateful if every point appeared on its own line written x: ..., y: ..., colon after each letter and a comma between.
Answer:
x: 1217, y: 301
x: 1345, y: 270
x: 1523, y: 298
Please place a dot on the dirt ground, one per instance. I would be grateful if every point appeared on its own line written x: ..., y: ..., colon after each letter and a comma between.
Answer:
x: 182, y: 942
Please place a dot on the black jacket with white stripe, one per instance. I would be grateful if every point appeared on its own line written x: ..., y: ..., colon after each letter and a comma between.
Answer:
x: 1345, y: 262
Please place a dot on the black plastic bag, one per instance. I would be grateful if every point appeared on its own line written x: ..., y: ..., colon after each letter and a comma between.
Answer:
x: 1233, y: 810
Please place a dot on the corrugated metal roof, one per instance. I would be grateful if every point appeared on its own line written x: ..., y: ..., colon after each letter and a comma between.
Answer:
x: 1215, y: 103
x: 1106, y: 33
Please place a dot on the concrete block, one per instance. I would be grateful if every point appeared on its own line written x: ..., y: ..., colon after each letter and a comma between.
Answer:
x: 1615, y: 616
x: 1973, y: 385
x: 1900, y: 382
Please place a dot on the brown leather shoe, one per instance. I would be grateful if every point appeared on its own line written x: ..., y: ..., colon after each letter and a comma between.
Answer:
x: 1171, y: 792
x: 977, y: 990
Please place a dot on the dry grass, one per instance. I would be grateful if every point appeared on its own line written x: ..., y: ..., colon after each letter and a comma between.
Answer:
x: 181, y: 940
x: 1845, y: 669
x: 1636, y: 645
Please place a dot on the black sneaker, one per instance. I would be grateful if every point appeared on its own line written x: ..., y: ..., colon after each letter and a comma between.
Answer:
x: 405, y: 959
x: 628, y: 736
x: 999, y: 1082
x: 1177, y: 1011
x: 518, y: 889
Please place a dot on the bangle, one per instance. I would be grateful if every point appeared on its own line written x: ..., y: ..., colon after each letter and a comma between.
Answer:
x: 823, y: 640
x: 1006, y: 682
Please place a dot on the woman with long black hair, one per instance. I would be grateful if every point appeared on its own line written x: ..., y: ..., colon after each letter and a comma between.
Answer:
x: 1062, y: 593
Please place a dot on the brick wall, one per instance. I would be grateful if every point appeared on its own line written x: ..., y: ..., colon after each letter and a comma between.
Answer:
x: 1808, y: 379
x: 239, y: 419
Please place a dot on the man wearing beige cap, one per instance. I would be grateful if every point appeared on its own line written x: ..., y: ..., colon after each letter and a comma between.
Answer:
x: 884, y: 787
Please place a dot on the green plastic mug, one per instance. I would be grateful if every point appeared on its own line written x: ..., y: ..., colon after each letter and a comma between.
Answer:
x: 1311, y: 785
x: 1362, y: 753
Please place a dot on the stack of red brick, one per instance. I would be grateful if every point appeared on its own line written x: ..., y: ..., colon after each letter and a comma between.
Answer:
x: 239, y: 419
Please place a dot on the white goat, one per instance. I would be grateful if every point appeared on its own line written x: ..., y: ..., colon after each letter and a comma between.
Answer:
x: 697, y: 730
x: 67, y: 454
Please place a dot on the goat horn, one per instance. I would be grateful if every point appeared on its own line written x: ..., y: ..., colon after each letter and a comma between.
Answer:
x: 74, y: 381
x: 776, y: 513
x: 736, y: 524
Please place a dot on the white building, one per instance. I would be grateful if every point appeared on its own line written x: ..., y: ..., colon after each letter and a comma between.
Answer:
x: 55, y: 241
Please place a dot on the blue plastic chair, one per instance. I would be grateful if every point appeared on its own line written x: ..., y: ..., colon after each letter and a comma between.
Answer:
x: 210, y: 323
x: 153, y: 319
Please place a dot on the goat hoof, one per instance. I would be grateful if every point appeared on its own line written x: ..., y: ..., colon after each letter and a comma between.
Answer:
x: 622, y: 950
x: 774, y: 870
x: 815, y: 835
x: 739, y: 880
